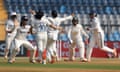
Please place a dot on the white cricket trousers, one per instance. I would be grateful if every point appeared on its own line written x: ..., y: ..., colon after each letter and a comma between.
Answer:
x: 25, y: 43
x: 41, y: 41
x: 18, y: 43
x: 9, y: 38
x: 78, y: 42
x: 97, y: 39
x: 51, y: 45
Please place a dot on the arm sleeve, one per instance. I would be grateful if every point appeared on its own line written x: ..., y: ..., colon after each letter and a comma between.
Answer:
x: 51, y: 25
x: 9, y: 26
x: 95, y: 28
x: 32, y: 20
x: 6, y: 26
x: 47, y: 22
x: 50, y: 20
x: 96, y: 25
x: 65, y: 18
x: 33, y: 30
x: 84, y: 33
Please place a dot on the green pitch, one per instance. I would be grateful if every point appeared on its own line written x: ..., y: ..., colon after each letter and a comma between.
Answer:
x: 97, y: 64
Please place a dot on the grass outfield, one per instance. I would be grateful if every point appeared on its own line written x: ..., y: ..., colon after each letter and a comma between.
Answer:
x: 97, y: 65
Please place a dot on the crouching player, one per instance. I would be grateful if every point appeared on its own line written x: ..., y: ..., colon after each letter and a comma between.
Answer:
x: 20, y: 39
x: 76, y: 38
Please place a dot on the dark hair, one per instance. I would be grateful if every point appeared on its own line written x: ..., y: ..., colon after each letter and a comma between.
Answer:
x: 23, y: 18
x: 75, y: 20
x: 39, y: 15
x: 93, y: 13
x: 13, y: 17
x: 54, y: 13
x: 21, y: 23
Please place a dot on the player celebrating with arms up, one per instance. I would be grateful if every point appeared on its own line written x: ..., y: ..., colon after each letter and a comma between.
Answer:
x: 97, y: 37
x: 40, y: 25
x: 53, y: 34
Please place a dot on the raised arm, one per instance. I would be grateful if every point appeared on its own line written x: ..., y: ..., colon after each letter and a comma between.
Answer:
x: 66, y: 18
x: 50, y: 24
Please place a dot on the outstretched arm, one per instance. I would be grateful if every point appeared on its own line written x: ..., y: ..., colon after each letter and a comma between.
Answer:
x: 67, y: 18
x: 55, y: 27
x: 50, y: 24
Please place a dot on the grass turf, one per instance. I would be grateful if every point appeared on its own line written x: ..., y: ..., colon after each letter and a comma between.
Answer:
x: 97, y: 63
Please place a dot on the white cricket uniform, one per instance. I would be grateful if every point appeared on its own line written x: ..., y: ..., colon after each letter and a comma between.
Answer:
x: 20, y: 38
x: 10, y: 26
x: 97, y: 38
x: 40, y: 28
x: 53, y: 34
x: 77, y: 40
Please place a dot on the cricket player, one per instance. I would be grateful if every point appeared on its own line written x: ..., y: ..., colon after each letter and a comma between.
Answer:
x: 20, y: 39
x: 76, y: 40
x: 53, y: 34
x: 97, y: 37
x: 11, y: 25
x: 40, y: 25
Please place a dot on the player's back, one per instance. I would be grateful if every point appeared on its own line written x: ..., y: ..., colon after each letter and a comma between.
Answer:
x: 55, y: 22
x: 40, y: 25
